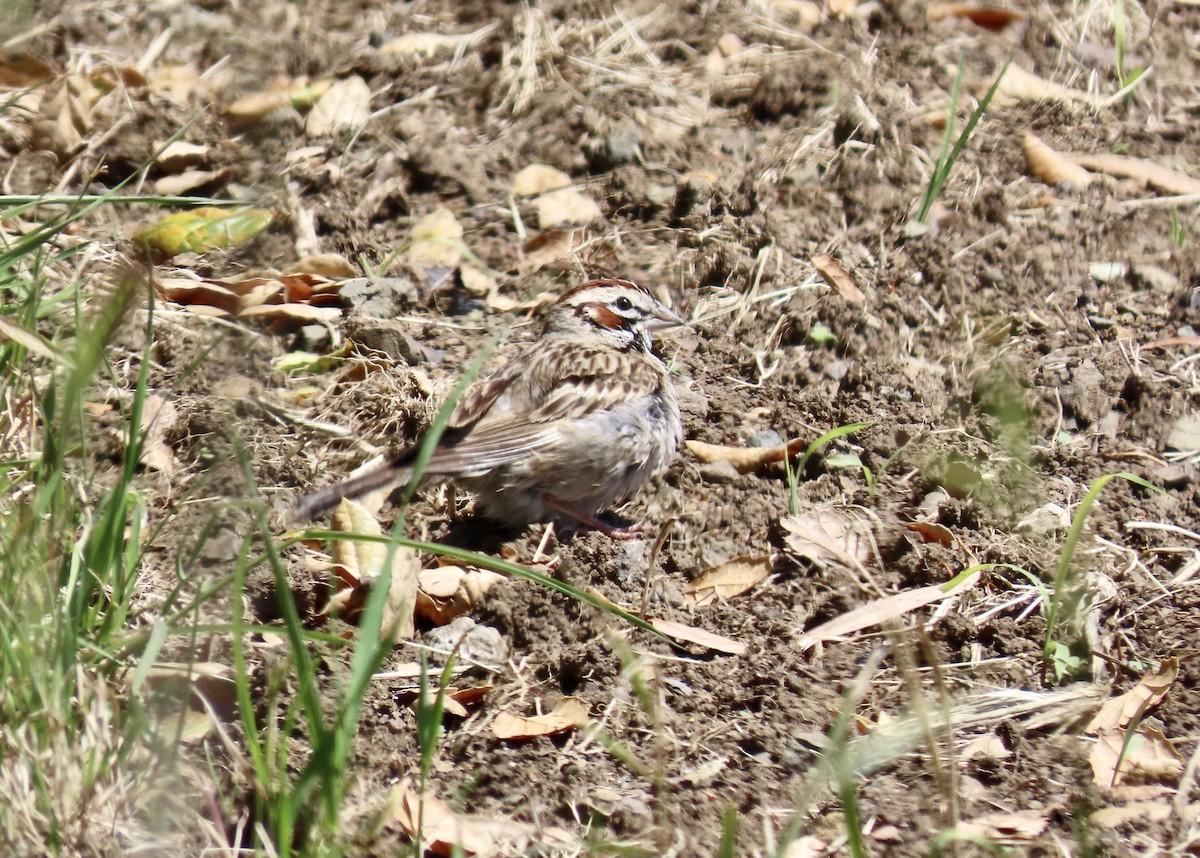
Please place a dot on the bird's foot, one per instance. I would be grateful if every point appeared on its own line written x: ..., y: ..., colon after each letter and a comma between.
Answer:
x: 633, y: 531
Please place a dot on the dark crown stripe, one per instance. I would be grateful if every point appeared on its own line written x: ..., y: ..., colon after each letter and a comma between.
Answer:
x: 607, y: 281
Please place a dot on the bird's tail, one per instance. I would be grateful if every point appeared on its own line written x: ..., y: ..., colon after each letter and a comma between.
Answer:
x: 389, y: 472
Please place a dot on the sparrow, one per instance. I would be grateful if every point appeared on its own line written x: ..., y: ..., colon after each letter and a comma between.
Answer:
x: 569, y: 425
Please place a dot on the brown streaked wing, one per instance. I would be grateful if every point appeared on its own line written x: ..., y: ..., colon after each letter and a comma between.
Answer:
x: 602, y: 383
x: 484, y: 393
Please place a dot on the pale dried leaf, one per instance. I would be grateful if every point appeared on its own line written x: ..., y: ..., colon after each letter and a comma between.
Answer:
x: 1137, y: 701
x: 446, y: 592
x: 429, y: 44
x: 64, y: 117
x: 805, y: 14
x: 189, y: 180
x: 550, y: 246
x: 364, y: 562
x: 210, y: 681
x: 1115, y: 817
x: 331, y: 265
x: 842, y: 8
x: 990, y: 17
x: 1026, y: 86
x: 727, y: 580
x: 445, y: 832
x: 838, y: 277
x: 806, y: 847
x: 828, y: 535
x: 564, y: 209
x: 18, y: 71
x: 538, y: 179
x: 159, y: 417
x: 745, y: 459
x: 477, y: 282
x: 1155, y: 175
x: 298, y: 94
x: 1020, y: 825
x: 177, y: 83
x: 1052, y: 167
x: 345, y: 106
x: 437, y: 241
x: 872, y: 614
x: 700, y: 637
x: 567, y: 714
x: 1150, y: 758
x: 180, y: 155
x: 293, y: 312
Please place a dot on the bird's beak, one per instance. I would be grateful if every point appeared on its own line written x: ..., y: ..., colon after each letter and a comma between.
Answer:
x: 664, y: 319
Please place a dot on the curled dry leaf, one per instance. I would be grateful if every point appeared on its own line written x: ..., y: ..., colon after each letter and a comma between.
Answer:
x: 727, y: 580
x: 444, y: 832
x: 690, y: 634
x: 300, y: 94
x: 994, y: 18
x: 567, y: 714
x: 933, y: 532
x: 1115, y: 817
x: 538, y: 179
x: 18, y: 71
x: 1052, y: 167
x: 1136, y: 702
x: 363, y: 562
x: 1148, y: 758
x: 838, y: 277
x: 437, y: 245
x: 564, y: 209
x: 159, y: 417
x: 190, y: 180
x: 1012, y: 827
x: 331, y: 265
x: 1026, y: 86
x: 828, y: 535
x: 64, y: 117
x: 446, y: 592
x: 745, y: 459
x: 872, y: 614
x: 344, y: 106
x: 1155, y: 175
x: 180, y: 155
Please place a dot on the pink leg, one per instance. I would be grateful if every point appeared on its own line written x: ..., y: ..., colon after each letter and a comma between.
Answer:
x: 632, y: 532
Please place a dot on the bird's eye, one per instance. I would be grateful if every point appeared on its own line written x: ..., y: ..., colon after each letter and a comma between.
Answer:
x: 623, y: 304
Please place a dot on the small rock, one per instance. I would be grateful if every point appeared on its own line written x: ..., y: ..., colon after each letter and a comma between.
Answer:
x: 1045, y: 521
x: 381, y: 297
x: 313, y: 337
x: 391, y: 337
x: 1156, y: 278
x: 1178, y: 475
x: 1185, y: 434
x: 720, y: 471
x: 764, y: 438
x: 1085, y: 396
x: 483, y: 644
x: 1110, y: 424
x: 1108, y: 272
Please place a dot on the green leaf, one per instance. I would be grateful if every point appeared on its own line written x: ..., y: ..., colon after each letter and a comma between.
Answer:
x: 203, y: 229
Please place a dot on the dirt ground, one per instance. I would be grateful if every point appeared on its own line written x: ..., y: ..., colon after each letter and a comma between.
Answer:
x: 1033, y: 339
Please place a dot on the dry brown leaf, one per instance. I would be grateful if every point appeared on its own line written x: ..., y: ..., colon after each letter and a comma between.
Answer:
x: 64, y: 117
x: 446, y: 592
x: 1150, y: 758
x: 700, y: 637
x: 363, y: 562
x: 209, y: 681
x: 550, y: 246
x: 933, y: 532
x: 1155, y: 175
x: 994, y: 18
x: 437, y: 243
x: 1052, y: 167
x: 444, y: 832
x: 565, y: 209
x: 430, y: 44
x: 189, y: 180
x: 345, y: 106
x: 538, y: 179
x: 872, y: 614
x: 745, y: 459
x: 1137, y: 701
x: 826, y: 535
x: 179, y: 155
x: 838, y: 277
x: 18, y: 71
x: 177, y: 83
x: 842, y: 8
x: 567, y: 714
x: 159, y: 417
x: 1018, y: 825
x: 1115, y: 817
x: 300, y: 93
x: 727, y: 580
x: 1025, y: 86
x: 331, y: 265
x: 303, y: 313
